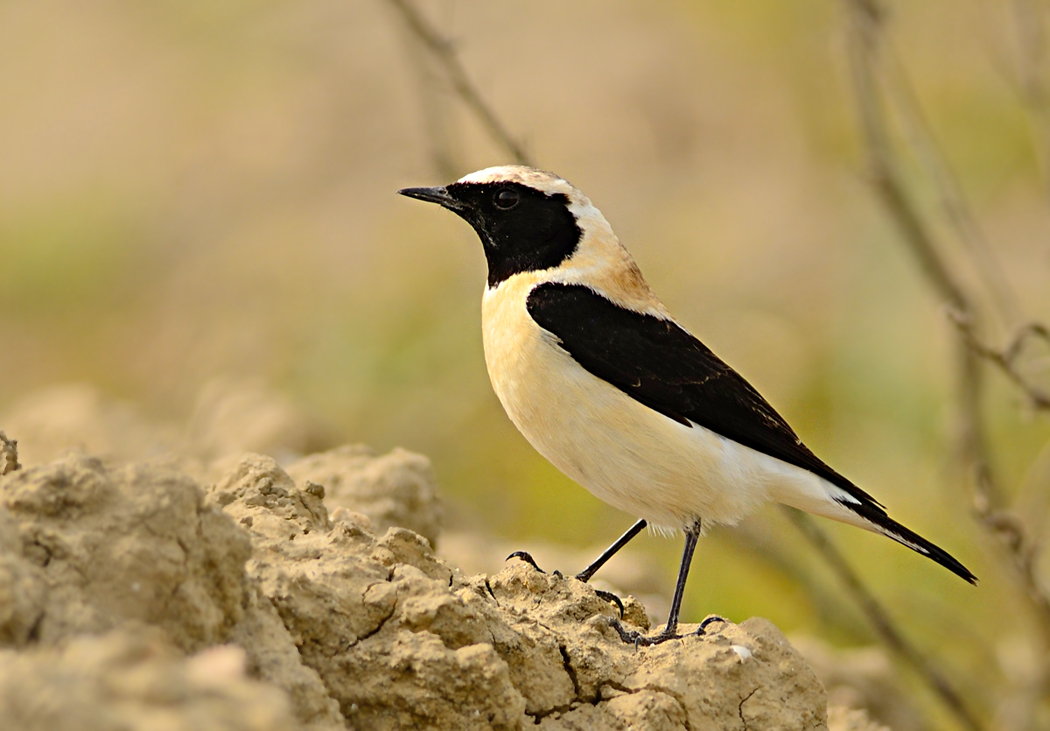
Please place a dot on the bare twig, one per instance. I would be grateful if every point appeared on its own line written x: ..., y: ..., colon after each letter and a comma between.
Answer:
x: 437, y: 106
x: 953, y: 201
x: 866, y: 20
x: 1030, y: 24
x: 8, y: 454
x: 988, y: 498
x: 1006, y: 359
x: 444, y: 51
x: 1021, y: 549
x: 865, y: 47
x: 883, y: 623
x: 866, y: 17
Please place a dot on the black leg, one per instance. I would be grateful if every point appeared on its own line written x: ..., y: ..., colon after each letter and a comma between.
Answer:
x: 671, y: 630
x: 691, y: 536
x: 622, y: 541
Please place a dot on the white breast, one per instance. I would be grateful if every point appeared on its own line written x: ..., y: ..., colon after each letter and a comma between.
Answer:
x: 624, y: 453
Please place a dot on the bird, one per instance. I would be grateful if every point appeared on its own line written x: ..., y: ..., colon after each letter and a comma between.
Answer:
x: 598, y: 376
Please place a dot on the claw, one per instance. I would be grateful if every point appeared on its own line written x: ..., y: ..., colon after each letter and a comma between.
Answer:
x: 527, y: 558
x: 702, y: 629
x: 610, y: 597
x: 638, y: 639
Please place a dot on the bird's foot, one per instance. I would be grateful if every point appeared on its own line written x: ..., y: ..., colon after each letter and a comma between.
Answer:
x: 633, y: 637
x: 702, y: 629
x: 610, y: 597
x: 527, y: 558
x: 606, y: 595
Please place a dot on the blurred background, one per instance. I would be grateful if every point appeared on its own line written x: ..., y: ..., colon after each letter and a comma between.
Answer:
x: 196, y: 191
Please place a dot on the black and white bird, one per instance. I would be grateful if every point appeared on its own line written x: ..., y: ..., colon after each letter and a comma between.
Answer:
x: 603, y: 382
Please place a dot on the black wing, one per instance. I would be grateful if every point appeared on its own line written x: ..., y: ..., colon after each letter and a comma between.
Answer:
x: 657, y: 363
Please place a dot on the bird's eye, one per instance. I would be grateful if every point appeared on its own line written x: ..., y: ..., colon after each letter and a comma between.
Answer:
x: 507, y: 199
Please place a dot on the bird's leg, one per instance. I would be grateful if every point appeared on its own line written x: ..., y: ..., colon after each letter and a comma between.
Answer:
x: 611, y: 551
x: 608, y: 553
x: 670, y: 631
x: 588, y: 572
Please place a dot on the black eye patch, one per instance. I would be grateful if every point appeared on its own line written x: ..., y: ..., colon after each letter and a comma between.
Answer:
x: 523, y: 229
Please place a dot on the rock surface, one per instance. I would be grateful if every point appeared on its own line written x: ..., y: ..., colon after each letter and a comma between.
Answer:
x: 403, y: 640
x: 395, y: 490
x: 89, y: 549
x: 133, y: 597
x: 863, y: 678
x: 134, y: 679
x: 209, y: 590
x: 841, y: 718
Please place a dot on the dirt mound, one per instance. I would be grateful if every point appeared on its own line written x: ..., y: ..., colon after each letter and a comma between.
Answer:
x: 132, y: 593
x: 395, y: 490
x: 89, y: 549
x: 197, y: 590
x: 134, y: 679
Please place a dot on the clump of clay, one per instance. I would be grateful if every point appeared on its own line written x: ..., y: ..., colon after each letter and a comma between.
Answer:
x: 841, y: 718
x: 135, y: 680
x: 397, y: 489
x: 403, y: 640
x: 155, y: 602
x: 86, y: 549
x: 135, y: 543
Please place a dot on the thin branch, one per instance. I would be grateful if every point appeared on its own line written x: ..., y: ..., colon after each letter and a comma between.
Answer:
x: 952, y: 199
x: 437, y: 107
x: 883, y: 623
x: 1021, y: 549
x: 988, y: 498
x: 1030, y: 25
x: 830, y: 607
x: 8, y: 454
x: 1008, y: 528
x: 1012, y: 533
x: 866, y: 17
x: 866, y: 20
x: 865, y: 46
x: 1006, y: 359
x: 444, y: 51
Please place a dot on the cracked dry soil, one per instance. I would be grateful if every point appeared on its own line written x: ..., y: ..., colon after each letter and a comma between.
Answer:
x: 134, y: 597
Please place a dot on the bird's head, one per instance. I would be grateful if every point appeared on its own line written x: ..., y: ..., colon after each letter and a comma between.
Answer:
x: 527, y: 219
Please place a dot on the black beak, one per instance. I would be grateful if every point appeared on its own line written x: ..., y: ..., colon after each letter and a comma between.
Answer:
x: 433, y: 195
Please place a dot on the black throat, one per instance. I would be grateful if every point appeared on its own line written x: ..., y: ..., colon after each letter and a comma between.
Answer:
x: 538, y: 232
